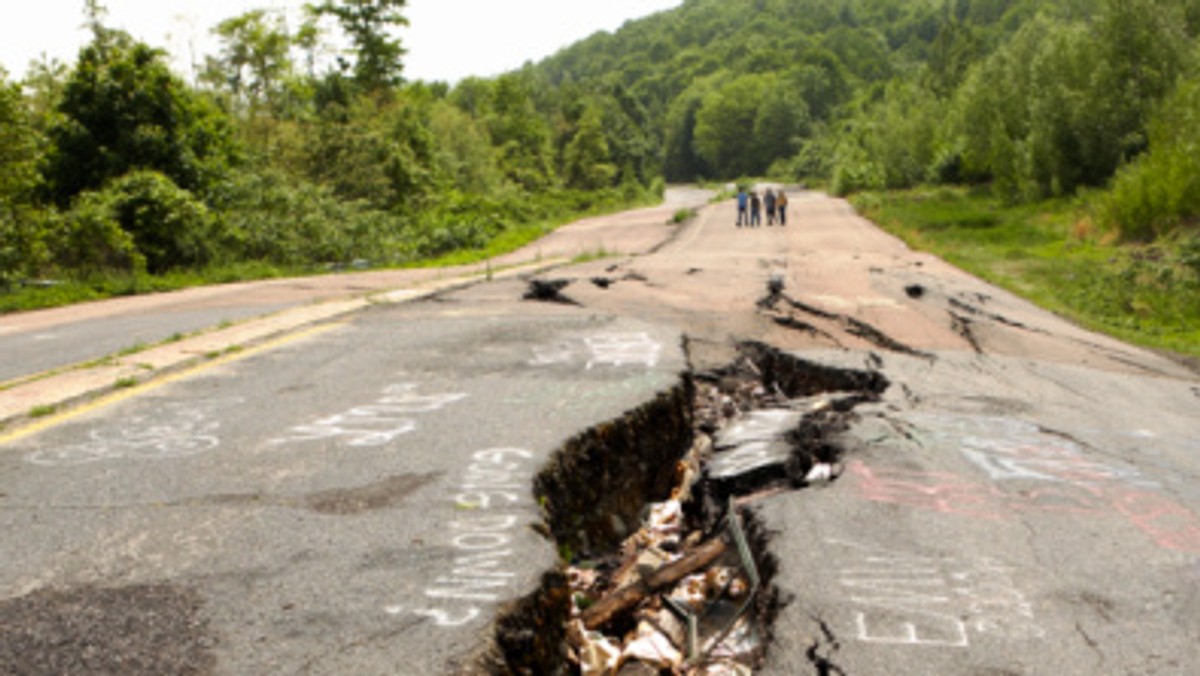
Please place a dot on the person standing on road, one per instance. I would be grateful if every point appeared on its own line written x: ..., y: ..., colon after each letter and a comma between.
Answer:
x: 755, y: 209
x: 769, y: 201
x: 781, y: 205
x: 742, y: 201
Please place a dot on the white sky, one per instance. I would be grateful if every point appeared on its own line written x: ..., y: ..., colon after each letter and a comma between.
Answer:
x: 446, y: 39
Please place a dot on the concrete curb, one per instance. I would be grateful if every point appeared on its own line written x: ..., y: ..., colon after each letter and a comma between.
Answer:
x: 25, y: 400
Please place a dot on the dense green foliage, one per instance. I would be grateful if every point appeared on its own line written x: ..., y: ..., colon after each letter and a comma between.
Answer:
x: 1037, y: 98
x: 114, y: 168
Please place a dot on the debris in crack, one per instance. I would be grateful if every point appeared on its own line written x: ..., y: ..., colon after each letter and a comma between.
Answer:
x: 603, y: 282
x: 915, y: 291
x: 549, y: 291
x: 689, y: 590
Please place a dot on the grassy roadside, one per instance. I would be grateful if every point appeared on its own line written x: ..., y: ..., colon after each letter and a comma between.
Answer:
x: 1050, y: 253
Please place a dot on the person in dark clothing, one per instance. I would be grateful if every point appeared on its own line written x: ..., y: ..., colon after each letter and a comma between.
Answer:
x: 755, y: 209
x: 743, y: 200
x: 769, y: 202
x: 781, y: 204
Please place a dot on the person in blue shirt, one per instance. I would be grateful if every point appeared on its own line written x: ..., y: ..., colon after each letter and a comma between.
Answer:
x: 743, y: 200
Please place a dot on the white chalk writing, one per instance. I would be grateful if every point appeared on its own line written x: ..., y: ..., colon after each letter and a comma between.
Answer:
x: 603, y: 350
x: 173, y: 430
x: 1008, y: 449
x: 911, y: 599
x: 374, y: 424
x: 495, y: 482
x: 636, y: 349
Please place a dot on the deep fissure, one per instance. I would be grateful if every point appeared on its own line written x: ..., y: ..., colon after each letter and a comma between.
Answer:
x: 662, y: 554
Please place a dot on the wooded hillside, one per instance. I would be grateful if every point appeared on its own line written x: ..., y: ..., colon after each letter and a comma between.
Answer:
x: 114, y: 171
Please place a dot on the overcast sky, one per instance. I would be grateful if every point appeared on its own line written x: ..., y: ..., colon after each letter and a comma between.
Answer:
x: 447, y: 39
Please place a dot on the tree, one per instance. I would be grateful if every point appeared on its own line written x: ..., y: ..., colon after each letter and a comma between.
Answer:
x: 18, y: 147
x: 521, y: 135
x: 254, y: 56
x: 586, y: 157
x: 729, y: 118
x: 122, y: 109
x: 21, y: 240
x: 368, y: 24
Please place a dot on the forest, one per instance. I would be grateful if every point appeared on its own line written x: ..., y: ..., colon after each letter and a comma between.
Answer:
x: 116, y: 174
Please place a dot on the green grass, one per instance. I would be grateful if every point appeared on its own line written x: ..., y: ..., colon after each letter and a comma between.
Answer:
x: 597, y: 254
x: 1050, y: 253
x: 42, y: 411
x: 683, y: 216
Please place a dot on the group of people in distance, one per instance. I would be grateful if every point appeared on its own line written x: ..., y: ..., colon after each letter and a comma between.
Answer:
x: 750, y: 207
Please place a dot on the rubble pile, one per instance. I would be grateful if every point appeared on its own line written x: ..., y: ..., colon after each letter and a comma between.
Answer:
x: 684, y: 594
x: 669, y: 569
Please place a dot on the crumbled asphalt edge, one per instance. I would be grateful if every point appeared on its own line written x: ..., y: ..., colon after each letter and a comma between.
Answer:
x: 136, y: 629
x: 596, y: 487
x: 592, y: 491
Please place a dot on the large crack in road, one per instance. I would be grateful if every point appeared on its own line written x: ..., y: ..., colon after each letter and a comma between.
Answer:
x: 675, y: 592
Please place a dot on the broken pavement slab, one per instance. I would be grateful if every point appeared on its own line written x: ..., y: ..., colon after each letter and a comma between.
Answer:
x: 988, y: 504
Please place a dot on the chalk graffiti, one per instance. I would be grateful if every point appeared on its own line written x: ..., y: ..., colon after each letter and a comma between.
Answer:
x: 636, y: 349
x: 901, y: 598
x: 555, y: 353
x: 1049, y: 471
x: 479, y: 573
x: 1008, y: 449
x: 375, y: 424
x: 611, y: 349
x: 173, y: 430
x: 1169, y: 524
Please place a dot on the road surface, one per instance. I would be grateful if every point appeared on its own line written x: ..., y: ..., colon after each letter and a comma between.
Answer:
x: 1018, y: 496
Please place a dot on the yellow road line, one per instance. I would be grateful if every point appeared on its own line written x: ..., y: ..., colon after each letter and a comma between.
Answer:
x: 116, y: 397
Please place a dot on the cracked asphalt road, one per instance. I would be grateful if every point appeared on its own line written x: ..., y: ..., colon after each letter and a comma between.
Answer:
x: 1022, y: 500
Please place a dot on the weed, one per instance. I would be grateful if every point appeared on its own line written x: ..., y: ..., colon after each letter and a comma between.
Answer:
x: 42, y: 411
x: 126, y: 383
x: 683, y: 216
x: 132, y: 349
x: 599, y: 253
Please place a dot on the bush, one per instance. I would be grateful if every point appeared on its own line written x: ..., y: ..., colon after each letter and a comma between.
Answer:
x: 272, y: 217
x: 93, y: 241
x: 1160, y: 192
x: 170, y: 227
x: 140, y: 221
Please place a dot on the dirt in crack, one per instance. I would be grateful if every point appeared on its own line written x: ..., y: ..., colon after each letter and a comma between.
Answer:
x: 667, y: 568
